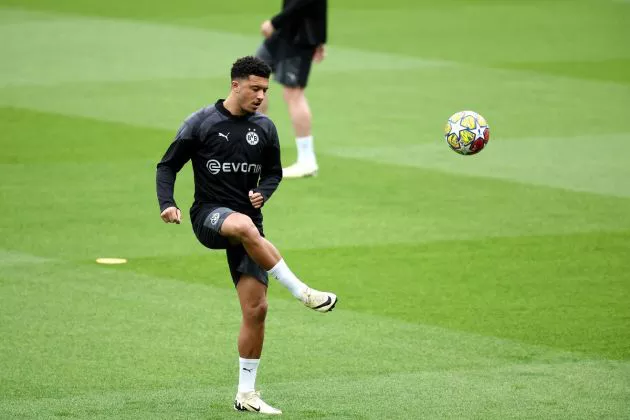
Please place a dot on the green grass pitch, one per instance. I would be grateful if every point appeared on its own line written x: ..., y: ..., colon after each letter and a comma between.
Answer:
x: 488, y: 287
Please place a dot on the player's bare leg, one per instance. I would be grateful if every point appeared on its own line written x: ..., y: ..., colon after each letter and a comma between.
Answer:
x: 252, y: 296
x: 240, y: 228
x: 301, y: 118
x: 264, y: 106
x: 299, y: 110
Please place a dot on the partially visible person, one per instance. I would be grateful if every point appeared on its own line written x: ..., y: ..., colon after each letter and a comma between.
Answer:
x: 294, y: 38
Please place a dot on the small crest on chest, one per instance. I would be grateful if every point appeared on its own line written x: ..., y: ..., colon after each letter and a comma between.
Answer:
x: 252, y: 137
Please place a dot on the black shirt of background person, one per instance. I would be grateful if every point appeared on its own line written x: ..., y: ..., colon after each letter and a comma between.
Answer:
x: 302, y: 22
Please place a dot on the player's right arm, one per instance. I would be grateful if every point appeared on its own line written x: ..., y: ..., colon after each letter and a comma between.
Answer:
x: 178, y: 153
x: 171, y: 215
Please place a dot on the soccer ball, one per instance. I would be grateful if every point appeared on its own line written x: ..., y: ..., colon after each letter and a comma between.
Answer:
x: 467, y: 132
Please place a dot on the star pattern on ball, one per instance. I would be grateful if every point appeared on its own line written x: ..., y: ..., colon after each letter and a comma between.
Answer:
x: 479, y: 130
x: 455, y: 128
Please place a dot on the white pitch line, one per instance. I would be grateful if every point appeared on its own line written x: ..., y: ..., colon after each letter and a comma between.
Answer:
x: 10, y: 258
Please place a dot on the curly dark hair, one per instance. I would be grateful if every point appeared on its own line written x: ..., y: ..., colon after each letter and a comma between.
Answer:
x: 250, y: 66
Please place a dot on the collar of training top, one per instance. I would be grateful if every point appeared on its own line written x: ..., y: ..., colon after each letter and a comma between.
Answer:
x: 223, y: 110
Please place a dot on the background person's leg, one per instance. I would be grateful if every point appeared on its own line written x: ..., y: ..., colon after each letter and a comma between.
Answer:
x: 299, y: 111
x: 301, y: 118
x: 264, y: 106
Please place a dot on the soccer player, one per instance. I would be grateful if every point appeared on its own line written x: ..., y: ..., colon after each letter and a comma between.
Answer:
x: 295, y: 38
x: 235, y: 156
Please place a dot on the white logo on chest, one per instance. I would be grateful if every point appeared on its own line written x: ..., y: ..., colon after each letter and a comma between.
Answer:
x: 225, y: 136
x: 252, y: 137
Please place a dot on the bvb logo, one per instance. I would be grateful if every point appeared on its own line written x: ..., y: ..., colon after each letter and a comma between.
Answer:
x: 252, y: 138
x: 214, y: 218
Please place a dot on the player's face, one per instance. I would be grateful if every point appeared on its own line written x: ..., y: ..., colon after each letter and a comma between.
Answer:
x: 251, y: 92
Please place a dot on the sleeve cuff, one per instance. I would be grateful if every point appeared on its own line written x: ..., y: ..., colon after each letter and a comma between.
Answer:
x: 167, y: 205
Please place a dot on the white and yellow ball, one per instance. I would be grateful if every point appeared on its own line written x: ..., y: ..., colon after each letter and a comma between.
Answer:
x: 467, y: 132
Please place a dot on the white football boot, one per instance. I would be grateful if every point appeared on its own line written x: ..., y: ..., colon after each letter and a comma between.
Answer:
x: 319, y: 301
x: 300, y: 170
x: 251, y: 401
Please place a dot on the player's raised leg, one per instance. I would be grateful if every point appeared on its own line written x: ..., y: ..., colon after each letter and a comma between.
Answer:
x: 252, y: 295
x: 240, y: 228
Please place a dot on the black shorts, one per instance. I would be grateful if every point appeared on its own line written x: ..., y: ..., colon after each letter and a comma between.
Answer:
x: 291, y: 64
x: 207, y: 222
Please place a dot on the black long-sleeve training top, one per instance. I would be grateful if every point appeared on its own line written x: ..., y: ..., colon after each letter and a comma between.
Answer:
x: 302, y: 22
x: 230, y: 155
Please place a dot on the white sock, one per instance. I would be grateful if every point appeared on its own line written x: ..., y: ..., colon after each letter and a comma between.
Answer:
x: 284, y: 275
x: 305, y: 149
x: 247, y: 374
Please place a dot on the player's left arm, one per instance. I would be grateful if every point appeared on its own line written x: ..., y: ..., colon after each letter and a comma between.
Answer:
x: 271, y: 171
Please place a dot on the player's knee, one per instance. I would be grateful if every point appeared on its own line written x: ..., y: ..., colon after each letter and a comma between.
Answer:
x: 256, y: 312
x: 249, y: 232
x: 245, y: 229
